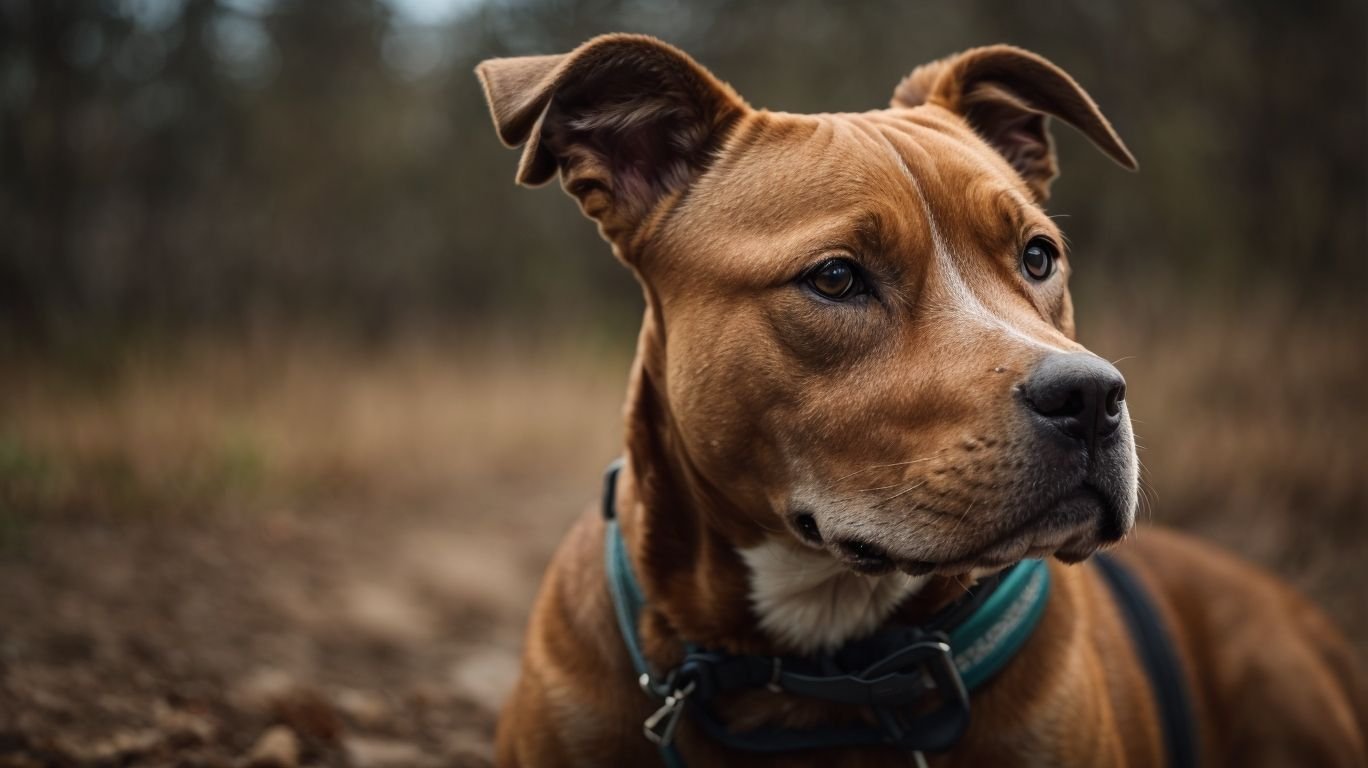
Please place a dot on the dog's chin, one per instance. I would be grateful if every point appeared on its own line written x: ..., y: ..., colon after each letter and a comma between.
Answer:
x: 1070, y: 530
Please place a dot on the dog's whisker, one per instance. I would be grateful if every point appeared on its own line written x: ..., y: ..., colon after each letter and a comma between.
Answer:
x: 962, y: 518
x: 904, y: 491
x: 888, y: 466
x: 881, y: 487
x: 769, y: 528
x: 855, y: 497
x: 961, y: 584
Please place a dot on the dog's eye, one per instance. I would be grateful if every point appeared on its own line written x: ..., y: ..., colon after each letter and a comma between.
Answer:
x: 1038, y: 260
x: 835, y: 279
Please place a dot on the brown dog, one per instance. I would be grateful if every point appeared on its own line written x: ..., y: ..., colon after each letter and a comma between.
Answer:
x: 856, y: 390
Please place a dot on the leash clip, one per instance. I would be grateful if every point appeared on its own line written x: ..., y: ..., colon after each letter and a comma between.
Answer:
x: 660, y: 726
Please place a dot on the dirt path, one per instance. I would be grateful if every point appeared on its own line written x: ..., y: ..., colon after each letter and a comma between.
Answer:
x: 293, y: 555
x: 351, y: 638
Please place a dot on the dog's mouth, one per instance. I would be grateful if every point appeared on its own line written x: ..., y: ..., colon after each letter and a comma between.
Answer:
x: 1070, y: 529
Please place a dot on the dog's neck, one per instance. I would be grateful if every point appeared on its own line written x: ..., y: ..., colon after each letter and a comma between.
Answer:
x: 715, y: 577
x: 691, y: 573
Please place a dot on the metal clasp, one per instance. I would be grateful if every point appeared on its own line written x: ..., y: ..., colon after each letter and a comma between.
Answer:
x: 660, y: 726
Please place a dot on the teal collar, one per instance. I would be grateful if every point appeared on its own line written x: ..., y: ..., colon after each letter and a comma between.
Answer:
x: 894, y: 672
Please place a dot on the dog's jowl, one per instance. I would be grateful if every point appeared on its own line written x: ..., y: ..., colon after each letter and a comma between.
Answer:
x: 867, y: 468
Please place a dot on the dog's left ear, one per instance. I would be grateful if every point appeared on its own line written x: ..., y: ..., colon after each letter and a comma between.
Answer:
x: 1007, y: 94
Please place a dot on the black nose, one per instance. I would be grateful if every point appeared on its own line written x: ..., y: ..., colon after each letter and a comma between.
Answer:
x: 1081, y: 394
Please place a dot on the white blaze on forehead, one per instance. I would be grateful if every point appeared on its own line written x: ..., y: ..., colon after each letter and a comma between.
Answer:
x: 963, y: 300
x: 810, y: 602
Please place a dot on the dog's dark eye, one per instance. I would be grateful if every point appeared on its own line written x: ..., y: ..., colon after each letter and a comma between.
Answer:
x: 834, y: 279
x: 1038, y: 260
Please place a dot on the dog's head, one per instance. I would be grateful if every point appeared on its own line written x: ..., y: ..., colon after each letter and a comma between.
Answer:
x: 862, y: 326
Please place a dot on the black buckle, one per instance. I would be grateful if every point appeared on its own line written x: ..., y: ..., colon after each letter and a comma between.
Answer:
x: 934, y: 730
x: 916, y: 694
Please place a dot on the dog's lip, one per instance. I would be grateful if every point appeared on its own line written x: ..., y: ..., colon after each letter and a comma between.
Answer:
x: 865, y: 558
x: 1071, y: 543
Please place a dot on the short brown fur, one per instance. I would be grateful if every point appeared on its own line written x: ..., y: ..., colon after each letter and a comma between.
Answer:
x: 751, y: 399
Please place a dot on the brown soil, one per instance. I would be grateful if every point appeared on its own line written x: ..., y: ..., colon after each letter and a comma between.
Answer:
x: 346, y: 584
x: 375, y: 639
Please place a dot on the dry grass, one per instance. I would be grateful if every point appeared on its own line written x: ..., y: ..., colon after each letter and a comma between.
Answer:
x: 220, y: 427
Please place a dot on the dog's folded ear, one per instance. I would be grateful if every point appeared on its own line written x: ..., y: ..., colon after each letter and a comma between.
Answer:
x: 1007, y: 94
x: 626, y: 119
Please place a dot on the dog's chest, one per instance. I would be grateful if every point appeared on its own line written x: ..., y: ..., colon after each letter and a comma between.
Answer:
x: 809, y: 602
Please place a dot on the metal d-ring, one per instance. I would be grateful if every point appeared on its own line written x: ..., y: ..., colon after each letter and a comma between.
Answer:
x: 657, y: 689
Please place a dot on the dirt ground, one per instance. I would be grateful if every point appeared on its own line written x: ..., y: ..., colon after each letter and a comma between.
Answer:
x: 314, y: 556
x: 353, y: 593
x: 374, y: 640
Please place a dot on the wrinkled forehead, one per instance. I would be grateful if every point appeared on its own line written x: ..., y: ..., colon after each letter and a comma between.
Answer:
x: 897, y: 181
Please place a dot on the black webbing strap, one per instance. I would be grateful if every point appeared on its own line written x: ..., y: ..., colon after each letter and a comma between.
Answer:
x: 1161, y: 662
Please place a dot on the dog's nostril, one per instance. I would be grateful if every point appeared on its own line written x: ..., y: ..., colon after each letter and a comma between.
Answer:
x: 807, y: 527
x: 1078, y: 393
x: 1065, y: 405
x: 1115, y: 398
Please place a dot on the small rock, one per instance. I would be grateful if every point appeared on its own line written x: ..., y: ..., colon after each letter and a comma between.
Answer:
x: 124, y: 746
x: 285, y: 700
x: 260, y: 690
x: 184, y: 729
x: 310, y: 715
x: 473, y: 745
x: 485, y: 675
x: 365, y: 752
x: 364, y: 708
x: 278, y: 747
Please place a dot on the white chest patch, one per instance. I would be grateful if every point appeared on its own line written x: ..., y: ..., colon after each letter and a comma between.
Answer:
x: 810, y: 602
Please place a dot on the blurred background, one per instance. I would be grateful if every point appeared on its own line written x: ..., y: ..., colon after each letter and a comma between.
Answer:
x: 298, y: 391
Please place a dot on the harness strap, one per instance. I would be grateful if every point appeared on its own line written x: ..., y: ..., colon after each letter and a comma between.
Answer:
x: 1162, y: 666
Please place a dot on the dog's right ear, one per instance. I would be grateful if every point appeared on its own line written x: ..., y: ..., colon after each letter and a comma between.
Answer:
x: 627, y: 120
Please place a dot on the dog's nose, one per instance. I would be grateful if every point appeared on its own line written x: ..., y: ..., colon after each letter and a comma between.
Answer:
x: 1081, y: 394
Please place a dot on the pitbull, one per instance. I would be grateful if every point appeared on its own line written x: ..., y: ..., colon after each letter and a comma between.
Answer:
x: 856, y: 393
